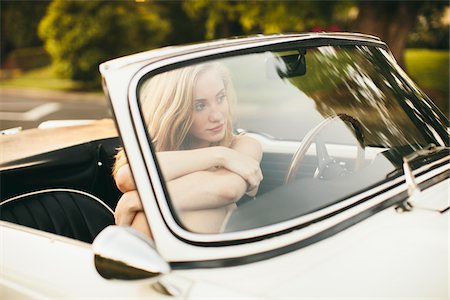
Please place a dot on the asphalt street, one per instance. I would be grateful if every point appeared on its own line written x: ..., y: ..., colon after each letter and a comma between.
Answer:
x: 29, y: 108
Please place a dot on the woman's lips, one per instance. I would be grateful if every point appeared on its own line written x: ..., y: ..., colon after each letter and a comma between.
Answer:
x: 216, y: 129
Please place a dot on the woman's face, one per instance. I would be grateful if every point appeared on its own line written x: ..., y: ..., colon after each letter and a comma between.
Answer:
x: 210, y: 110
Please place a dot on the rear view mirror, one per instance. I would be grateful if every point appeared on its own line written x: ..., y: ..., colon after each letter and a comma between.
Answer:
x: 286, y: 66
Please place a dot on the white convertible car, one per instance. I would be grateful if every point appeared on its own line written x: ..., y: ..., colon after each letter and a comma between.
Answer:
x: 354, y: 202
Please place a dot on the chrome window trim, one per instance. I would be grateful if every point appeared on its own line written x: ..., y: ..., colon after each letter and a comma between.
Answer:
x: 160, y: 196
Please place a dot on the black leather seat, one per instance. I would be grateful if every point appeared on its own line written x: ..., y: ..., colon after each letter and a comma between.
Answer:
x: 71, y: 213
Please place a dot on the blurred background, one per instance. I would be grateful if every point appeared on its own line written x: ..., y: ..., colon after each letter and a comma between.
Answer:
x: 52, y: 49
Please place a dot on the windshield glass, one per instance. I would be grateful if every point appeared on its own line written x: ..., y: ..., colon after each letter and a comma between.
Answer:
x: 256, y: 139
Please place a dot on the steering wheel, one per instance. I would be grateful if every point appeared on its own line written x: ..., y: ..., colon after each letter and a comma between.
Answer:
x: 325, y: 162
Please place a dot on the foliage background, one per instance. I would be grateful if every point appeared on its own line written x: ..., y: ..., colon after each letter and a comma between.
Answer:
x: 70, y: 38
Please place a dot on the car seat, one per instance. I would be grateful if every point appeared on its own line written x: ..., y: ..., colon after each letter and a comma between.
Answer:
x: 67, y: 212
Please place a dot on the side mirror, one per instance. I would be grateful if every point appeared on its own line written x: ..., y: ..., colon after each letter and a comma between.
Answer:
x: 124, y: 253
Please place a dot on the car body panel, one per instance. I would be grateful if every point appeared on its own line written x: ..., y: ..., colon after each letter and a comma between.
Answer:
x: 37, y: 265
x: 316, y: 270
x: 313, y: 271
x: 17, y: 146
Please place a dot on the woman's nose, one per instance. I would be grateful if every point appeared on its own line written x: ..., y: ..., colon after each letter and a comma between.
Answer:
x: 215, y: 114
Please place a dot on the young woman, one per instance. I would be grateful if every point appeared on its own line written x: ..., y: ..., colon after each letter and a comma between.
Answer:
x: 206, y: 167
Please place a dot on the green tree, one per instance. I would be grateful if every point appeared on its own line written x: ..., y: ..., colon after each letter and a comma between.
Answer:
x: 394, y: 21
x: 219, y: 17
x: 389, y: 20
x: 81, y: 34
x: 227, y: 18
x: 431, y: 31
x: 19, y: 22
x: 184, y: 28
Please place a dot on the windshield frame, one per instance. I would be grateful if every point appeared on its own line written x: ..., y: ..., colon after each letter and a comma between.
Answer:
x: 332, y: 214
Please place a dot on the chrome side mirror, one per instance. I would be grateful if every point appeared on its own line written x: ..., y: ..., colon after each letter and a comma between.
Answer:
x: 124, y: 253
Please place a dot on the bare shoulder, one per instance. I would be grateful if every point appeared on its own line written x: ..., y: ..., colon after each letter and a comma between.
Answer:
x: 248, y: 145
x: 244, y: 139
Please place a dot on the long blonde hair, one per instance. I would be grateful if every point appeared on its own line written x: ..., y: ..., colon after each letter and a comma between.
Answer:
x: 167, y: 104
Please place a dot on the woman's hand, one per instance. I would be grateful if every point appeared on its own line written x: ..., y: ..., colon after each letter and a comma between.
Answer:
x: 127, y: 208
x: 243, y: 165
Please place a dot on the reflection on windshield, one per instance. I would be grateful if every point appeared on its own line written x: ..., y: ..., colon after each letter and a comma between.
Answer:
x: 334, y: 122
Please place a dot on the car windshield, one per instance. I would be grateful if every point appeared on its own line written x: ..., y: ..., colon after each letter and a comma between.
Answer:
x: 331, y: 122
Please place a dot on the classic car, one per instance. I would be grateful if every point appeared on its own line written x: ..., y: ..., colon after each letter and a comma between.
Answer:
x: 354, y: 202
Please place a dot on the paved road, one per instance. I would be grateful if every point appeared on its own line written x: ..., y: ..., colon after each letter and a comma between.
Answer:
x: 29, y: 108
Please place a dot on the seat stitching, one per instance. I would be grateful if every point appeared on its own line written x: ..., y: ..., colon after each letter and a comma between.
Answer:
x: 53, y: 195
x: 16, y: 220
x: 65, y: 214
x: 32, y: 216
x: 50, y: 216
x: 84, y: 217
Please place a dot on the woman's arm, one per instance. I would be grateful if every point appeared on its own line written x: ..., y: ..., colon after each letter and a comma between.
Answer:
x: 242, y: 158
x: 198, y: 191
x: 206, y: 190
x: 175, y: 164
x: 127, y: 208
x: 221, y: 187
x: 129, y: 212
x: 251, y: 147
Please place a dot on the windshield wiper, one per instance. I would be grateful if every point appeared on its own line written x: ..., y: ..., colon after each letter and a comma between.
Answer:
x: 426, y: 152
x: 409, y: 176
x: 410, y: 179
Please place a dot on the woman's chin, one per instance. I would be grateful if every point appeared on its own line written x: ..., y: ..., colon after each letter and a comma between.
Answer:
x: 210, y: 140
x: 217, y: 138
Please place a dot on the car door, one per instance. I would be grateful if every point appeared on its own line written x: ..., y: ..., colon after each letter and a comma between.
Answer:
x: 40, y: 265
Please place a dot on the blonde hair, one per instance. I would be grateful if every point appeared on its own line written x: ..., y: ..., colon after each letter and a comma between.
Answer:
x: 167, y: 105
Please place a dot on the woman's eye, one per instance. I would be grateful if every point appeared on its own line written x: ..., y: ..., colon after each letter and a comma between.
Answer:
x: 199, y: 106
x: 221, y: 98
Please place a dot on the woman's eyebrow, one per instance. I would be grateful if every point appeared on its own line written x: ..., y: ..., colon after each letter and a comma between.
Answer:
x: 221, y: 92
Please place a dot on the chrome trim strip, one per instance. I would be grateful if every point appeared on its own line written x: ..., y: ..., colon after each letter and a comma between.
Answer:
x: 247, y: 234
x: 58, y: 190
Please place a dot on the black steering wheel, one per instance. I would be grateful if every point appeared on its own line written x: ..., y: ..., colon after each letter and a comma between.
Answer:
x: 325, y: 162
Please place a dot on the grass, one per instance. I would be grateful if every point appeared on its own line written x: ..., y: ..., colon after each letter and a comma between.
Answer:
x: 429, y: 68
x: 42, y: 78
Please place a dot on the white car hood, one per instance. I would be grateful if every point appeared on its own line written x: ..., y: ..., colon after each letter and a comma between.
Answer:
x: 390, y: 254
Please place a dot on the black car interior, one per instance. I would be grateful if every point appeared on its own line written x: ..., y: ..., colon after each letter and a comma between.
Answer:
x: 70, y: 191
